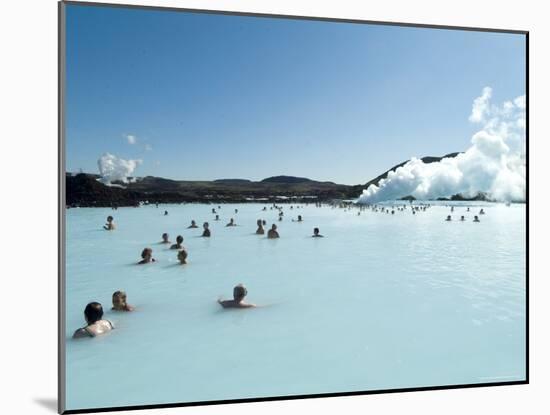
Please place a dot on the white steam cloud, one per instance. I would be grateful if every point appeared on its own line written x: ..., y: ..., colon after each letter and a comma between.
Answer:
x: 112, y: 168
x: 494, y: 164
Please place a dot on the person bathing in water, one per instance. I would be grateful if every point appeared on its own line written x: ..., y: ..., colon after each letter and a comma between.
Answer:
x: 231, y: 223
x: 110, y: 225
x: 119, y: 302
x: 239, y: 292
x: 206, y: 231
x: 260, y: 230
x: 193, y: 225
x: 448, y: 218
x: 182, y: 256
x: 165, y: 239
x: 147, y: 255
x: 298, y: 220
x: 217, y: 217
x: 316, y: 233
x: 476, y: 219
x: 178, y: 244
x: 93, y: 313
x: 272, y: 233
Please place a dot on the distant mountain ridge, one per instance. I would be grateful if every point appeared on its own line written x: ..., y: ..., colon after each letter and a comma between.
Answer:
x: 85, y: 190
x: 286, y: 179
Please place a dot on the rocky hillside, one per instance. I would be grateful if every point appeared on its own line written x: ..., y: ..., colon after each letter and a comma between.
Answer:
x: 85, y: 190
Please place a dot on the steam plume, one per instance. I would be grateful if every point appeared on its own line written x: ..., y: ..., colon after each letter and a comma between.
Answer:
x: 494, y: 164
x: 112, y: 168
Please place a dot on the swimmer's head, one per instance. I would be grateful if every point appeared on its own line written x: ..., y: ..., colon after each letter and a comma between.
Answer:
x: 193, y: 223
x: 182, y: 256
x: 165, y: 237
x: 119, y: 299
x: 259, y: 222
x: 93, y: 312
x: 109, y: 218
x: 316, y: 231
x: 205, y: 225
x: 274, y: 227
x: 239, y: 292
x: 179, y: 239
x: 147, y: 253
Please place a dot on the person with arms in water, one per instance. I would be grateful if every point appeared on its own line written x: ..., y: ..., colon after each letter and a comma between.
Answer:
x: 316, y: 233
x: 182, y: 256
x: 93, y: 313
x: 231, y: 223
x: 147, y: 256
x: 272, y: 233
x: 206, y: 231
x: 178, y: 244
x: 193, y: 225
x: 239, y: 292
x: 110, y: 225
x: 448, y: 218
x: 165, y: 239
x: 119, y: 302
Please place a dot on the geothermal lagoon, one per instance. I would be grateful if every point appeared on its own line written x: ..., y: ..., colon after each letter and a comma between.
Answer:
x: 381, y: 302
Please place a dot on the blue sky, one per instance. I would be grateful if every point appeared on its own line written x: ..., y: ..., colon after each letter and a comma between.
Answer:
x: 212, y: 96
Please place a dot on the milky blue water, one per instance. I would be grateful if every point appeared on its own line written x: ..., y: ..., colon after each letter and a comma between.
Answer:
x: 383, y: 301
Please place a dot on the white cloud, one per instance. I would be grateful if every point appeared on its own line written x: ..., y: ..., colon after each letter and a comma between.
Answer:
x: 132, y: 139
x: 148, y: 147
x: 494, y: 163
x: 112, y: 168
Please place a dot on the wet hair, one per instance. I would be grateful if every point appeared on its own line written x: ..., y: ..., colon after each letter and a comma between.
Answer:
x: 239, y: 292
x: 179, y: 239
x: 145, y: 251
x: 205, y: 225
x: 93, y: 312
x: 259, y: 222
x: 182, y: 253
x: 109, y: 218
x: 315, y: 230
x: 120, y: 294
x: 273, y: 226
x: 164, y: 235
